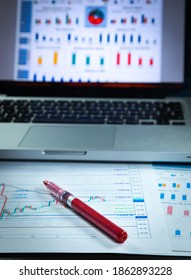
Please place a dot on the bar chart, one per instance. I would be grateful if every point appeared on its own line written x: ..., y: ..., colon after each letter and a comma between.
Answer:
x: 174, y: 186
x: 94, y: 43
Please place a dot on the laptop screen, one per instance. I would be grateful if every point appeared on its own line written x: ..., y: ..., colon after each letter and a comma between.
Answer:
x: 92, y: 41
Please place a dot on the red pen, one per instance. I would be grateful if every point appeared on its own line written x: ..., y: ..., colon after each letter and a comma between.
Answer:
x: 119, y: 234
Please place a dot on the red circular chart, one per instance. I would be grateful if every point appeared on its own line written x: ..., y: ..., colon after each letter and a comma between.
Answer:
x: 96, y: 17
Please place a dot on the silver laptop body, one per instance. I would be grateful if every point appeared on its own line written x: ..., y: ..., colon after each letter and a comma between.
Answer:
x: 130, y: 52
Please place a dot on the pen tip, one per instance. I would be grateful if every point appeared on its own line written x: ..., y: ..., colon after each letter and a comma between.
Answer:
x: 45, y: 182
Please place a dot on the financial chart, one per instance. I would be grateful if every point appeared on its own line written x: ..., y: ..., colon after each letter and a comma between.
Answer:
x: 89, y: 41
x: 29, y: 206
x: 28, y: 213
x: 174, y: 186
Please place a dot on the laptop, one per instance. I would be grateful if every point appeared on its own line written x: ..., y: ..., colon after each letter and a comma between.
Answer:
x: 94, y: 81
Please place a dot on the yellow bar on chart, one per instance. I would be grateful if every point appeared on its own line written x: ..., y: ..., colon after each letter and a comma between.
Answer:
x: 55, y: 58
x: 40, y: 61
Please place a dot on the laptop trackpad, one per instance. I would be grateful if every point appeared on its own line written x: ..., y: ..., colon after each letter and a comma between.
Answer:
x: 69, y: 137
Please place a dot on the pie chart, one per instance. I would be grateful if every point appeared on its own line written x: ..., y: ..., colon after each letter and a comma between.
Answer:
x: 96, y: 17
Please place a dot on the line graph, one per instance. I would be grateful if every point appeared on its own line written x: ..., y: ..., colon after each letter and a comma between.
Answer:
x: 9, y: 207
x: 23, y: 206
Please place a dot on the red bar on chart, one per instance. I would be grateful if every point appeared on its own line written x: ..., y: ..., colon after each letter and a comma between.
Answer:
x: 129, y: 59
x: 151, y: 62
x: 140, y: 62
x: 186, y: 213
x: 118, y: 58
x: 169, y: 210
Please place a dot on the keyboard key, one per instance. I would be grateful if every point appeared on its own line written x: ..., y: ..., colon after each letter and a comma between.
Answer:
x: 178, y: 123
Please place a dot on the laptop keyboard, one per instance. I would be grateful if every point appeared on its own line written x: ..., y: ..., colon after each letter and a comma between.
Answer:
x: 92, y: 112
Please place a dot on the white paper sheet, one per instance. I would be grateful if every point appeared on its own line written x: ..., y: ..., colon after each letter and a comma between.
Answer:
x: 31, y: 220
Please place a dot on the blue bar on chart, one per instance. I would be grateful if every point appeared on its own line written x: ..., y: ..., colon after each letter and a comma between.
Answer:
x: 23, y: 41
x: 108, y: 38
x: 138, y: 200
x: 124, y: 38
x: 153, y: 21
x: 26, y: 16
x: 173, y: 196
x: 116, y: 38
x: 101, y: 61
x: 162, y: 196
x: 174, y: 185
x: 188, y: 185
x: 184, y: 197
x: 144, y: 19
x: 100, y: 38
x: 35, y: 77
x: 44, y: 78
x: 178, y: 232
x: 139, y: 39
x: 23, y: 57
x: 48, y: 21
x: 23, y: 74
x: 87, y: 60
x: 73, y: 59
x: 68, y: 20
x: 123, y: 20
x: 113, y: 21
x: 133, y: 20
x: 36, y: 36
x: 69, y: 37
x: 131, y: 38
x: 141, y: 217
x: 58, y: 21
